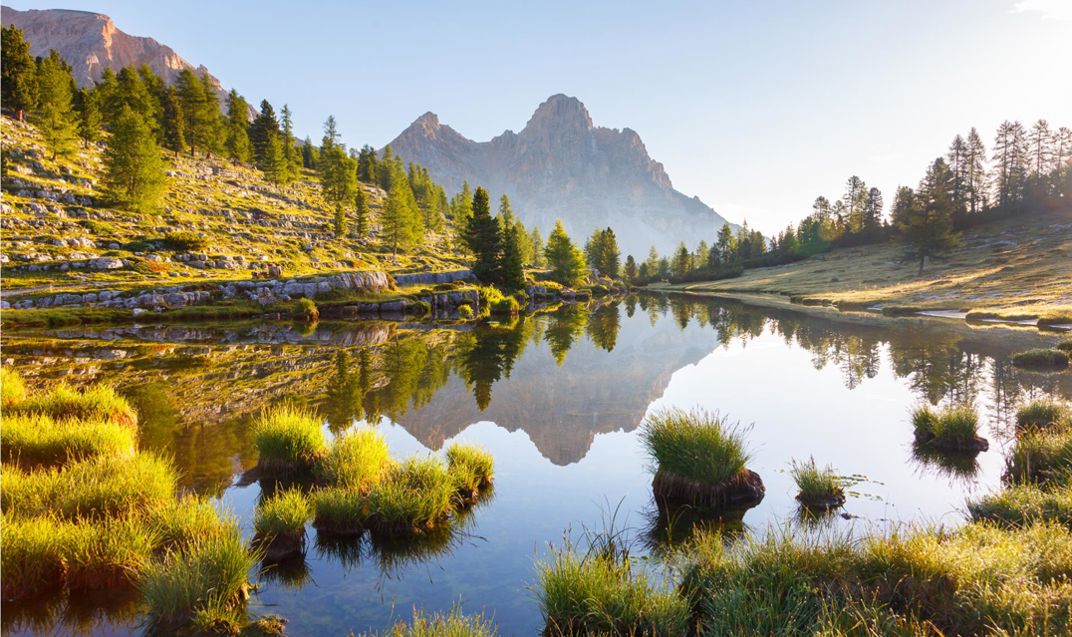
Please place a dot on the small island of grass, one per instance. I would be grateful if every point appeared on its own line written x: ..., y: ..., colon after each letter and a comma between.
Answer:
x: 1041, y: 358
x: 948, y: 428
x: 818, y: 487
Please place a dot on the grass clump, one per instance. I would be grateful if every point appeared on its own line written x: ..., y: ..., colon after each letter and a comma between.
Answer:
x: 288, y: 438
x: 12, y: 388
x: 1023, y: 504
x: 306, y: 310
x: 700, y: 459
x: 471, y: 468
x: 417, y: 496
x: 452, y: 624
x: 953, y: 428
x: 30, y: 440
x: 202, y: 586
x: 94, y: 488
x: 109, y: 553
x: 1040, y: 456
x: 1043, y: 414
x: 1065, y: 346
x: 99, y: 402
x: 598, y: 593
x: 33, y: 556
x: 279, y: 525
x: 357, y: 460
x: 340, y: 511
x: 1041, y: 358
x: 187, y: 519
x: 817, y: 486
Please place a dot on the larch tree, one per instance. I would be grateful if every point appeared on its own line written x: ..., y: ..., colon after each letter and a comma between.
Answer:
x: 400, y: 220
x: 361, y: 213
x: 134, y: 172
x: 565, y: 259
x: 173, y: 133
x: 236, y: 141
x: 511, y: 267
x: 536, y: 239
x: 90, y: 119
x: 975, y: 171
x: 1010, y: 163
x: 55, y: 116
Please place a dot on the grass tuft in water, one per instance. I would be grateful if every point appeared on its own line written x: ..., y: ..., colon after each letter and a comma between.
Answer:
x: 1040, y: 456
x: 1041, y: 358
x: 452, y: 624
x: 283, y: 514
x: 33, y: 440
x: 695, y: 445
x: 358, y: 460
x: 817, y: 486
x: 471, y: 467
x: 288, y: 438
x: 181, y: 522
x: 33, y: 555
x: 1041, y: 414
x: 417, y: 495
x: 339, y: 510
x: 109, y: 553
x: 96, y: 403
x: 954, y: 427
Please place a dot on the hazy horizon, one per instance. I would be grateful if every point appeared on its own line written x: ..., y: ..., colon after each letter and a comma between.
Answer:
x: 739, y: 103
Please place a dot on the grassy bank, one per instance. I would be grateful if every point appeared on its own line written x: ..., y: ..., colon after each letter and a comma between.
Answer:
x: 1005, y: 270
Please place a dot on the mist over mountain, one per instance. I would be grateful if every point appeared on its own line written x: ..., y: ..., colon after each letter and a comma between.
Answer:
x: 563, y: 166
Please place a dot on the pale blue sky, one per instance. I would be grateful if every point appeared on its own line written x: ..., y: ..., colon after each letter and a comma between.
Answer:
x: 757, y: 107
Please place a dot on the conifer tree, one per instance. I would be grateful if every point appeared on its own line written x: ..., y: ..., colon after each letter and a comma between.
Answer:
x: 630, y: 270
x: 975, y: 171
x: 361, y: 213
x: 194, y: 101
x: 272, y: 163
x: 536, y: 239
x: 236, y: 129
x: 89, y: 116
x: 174, y: 122
x: 310, y: 154
x: 291, y: 154
x: 1010, y: 163
x: 55, y: 117
x: 338, y: 174
x: 130, y: 90
x: 929, y: 229
x: 511, y: 268
x: 461, y: 210
x: 134, y: 171
x: 566, y: 261
x: 263, y: 127
x: 872, y: 216
x: 483, y: 238
x: 368, y: 170
x: 211, y: 117
x: 18, y: 73
x: 400, y: 220
x: 682, y: 264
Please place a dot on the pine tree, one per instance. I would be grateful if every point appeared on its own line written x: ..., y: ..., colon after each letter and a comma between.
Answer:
x: 368, y: 170
x: 903, y: 202
x: 310, y: 154
x: 361, y: 213
x: 129, y: 90
x: 291, y: 154
x: 536, y: 239
x: 339, y: 222
x: 511, y: 268
x: 174, y: 124
x: 957, y: 160
x: 134, y: 171
x: 89, y: 116
x: 682, y: 264
x: 975, y: 171
x: 929, y: 229
x: 630, y: 270
x: 566, y: 261
x: 338, y: 173
x: 55, y: 117
x: 461, y: 210
x: 193, y: 100
x: 726, y: 244
x: 610, y: 255
x: 18, y: 73
x: 236, y: 129
x: 1010, y: 159
x: 272, y: 163
x: 400, y: 219
x: 855, y: 200
x: 211, y: 117
x: 483, y: 239
x: 872, y: 217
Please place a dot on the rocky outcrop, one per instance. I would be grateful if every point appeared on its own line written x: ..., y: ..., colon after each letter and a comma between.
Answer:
x: 90, y: 42
x: 561, y: 165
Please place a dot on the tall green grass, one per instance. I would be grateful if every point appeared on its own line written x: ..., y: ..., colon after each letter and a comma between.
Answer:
x: 1040, y: 455
x: 1023, y: 504
x: 954, y: 426
x: 1044, y: 414
x: 12, y: 387
x: 33, y: 557
x: 471, y: 467
x: 288, y: 438
x: 357, y: 460
x: 695, y: 445
x: 185, y: 520
x: 417, y: 495
x: 339, y: 510
x: 93, y: 488
x: 62, y: 402
x: 108, y: 553
x: 30, y: 440
x: 815, y: 484
x: 283, y: 514
x: 452, y: 624
x: 202, y: 586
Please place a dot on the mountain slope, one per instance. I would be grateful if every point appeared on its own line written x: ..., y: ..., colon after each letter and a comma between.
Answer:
x: 90, y: 42
x: 562, y: 165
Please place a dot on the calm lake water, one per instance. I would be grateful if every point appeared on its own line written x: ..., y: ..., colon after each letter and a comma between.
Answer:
x: 557, y: 398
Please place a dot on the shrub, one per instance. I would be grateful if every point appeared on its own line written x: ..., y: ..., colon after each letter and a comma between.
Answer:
x: 288, y: 438
x: 817, y: 486
x: 507, y: 306
x: 1041, y: 358
x: 185, y: 241
x: 695, y: 445
x: 599, y: 594
x: 30, y: 440
x: 12, y: 388
x: 471, y: 469
x: 452, y: 624
x: 950, y: 427
x: 284, y: 513
x: 305, y: 309
x: 357, y: 460
x: 1044, y: 414
x: 94, y: 488
x: 199, y: 586
x: 99, y: 402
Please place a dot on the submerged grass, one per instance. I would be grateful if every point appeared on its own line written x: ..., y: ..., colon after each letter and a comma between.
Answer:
x: 1041, y: 358
x: 817, y: 486
x: 955, y: 426
x: 1044, y: 414
x: 357, y: 460
x: 99, y: 402
x: 695, y: 445
x: 288, y: 438
x: 31, y: 440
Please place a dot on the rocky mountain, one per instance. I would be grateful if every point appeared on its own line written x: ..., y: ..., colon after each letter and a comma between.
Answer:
x: 90, y: 42
x: 562, y: 166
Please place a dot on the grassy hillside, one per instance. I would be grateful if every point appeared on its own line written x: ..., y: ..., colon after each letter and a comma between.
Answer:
x: 55, y: 214
x: 1012, y: 269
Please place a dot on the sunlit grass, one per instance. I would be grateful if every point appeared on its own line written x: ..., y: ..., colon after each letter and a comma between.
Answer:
x: 283, y: 513
x: 288, y: 438
x: 1040, y: 455
x: 816, y: 485
x: 451, y: 624
x: 33, y: 555
x: 471, y: 467
x: 62, y: 402
x: 108, y: 553
x: 1044, y: 414
x: 695, y: 445
x: 417, y: 495
x: 955, y: 426
x: 1025, y: 503
x: 12, y: 387
x: 339, y: 510
x: 30, y: 440
x: 358, y: 459
x: 1041, y: 358
x: 188, y: 519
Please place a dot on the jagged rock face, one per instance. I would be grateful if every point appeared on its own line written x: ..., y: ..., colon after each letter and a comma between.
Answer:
x: 562, y: 166
x: 90, y: 42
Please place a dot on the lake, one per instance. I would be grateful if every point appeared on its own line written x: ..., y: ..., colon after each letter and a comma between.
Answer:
x: 557, y: 398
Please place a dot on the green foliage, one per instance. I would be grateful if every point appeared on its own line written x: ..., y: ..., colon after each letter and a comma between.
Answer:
x: 283, y: 513
x: 929, y: 224
x: 185, y: 241
x: 452, y: 624
x: 173, y: 130
x: 1024, y: 504
x: 236, y: 135
x: 602, y: 252
x: 815, y: 483
x: 1044, y: 414
x: 185, y: 520
x: 567, y: 264
x: 89, y: 117
x: 1040, y: 455
x: 465, y: 311
x: 471, y: 467
x: 33, y: 440
x: 695, y: 445
x: 18, y: 78
x: 362, y: 215
x: 306, y: 310
x: 200, y: 107
x: 33, y: 559
x: 511, y: 270
x: 416, y: 496
x: 62, y: 402
x: 484, y: 239
x: 12, y: 387
x: 357, y: 460
x: 506, y: 306
x: 55, y: 116
x: 954, y: 425
x: 1042, y: 358
x: 134, y: 171
x: 338, y: 172
x: 400, y: 220
x: 288, y: 438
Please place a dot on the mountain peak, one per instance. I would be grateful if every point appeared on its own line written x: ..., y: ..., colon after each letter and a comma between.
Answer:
x: 561, y: 113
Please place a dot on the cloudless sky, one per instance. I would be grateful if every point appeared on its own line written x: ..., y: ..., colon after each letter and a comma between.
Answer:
x: 757, y: 107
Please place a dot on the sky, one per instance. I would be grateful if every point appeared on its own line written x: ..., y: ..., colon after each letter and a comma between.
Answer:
x: 756, y: 107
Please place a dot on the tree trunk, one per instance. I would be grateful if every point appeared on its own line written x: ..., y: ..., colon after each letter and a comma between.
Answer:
x: 922, y: 256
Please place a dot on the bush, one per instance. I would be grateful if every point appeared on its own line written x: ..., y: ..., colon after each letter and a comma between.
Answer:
x: 288, y: 438
x: 30, y: 440
x: 12, y: 388
x: 1041, y: 358
x: 695, y: 445
x: 1044, y: 414
x: 357, y: 460
x: 305, y: 310
x: 507, y: 306
x: 185, y: 241
x: 99, y: 402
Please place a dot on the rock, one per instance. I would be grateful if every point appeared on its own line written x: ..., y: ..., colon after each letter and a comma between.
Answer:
x: 106, y: 263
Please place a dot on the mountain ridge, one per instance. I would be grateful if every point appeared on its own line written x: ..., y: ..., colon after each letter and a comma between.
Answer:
x: 562, y: 165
